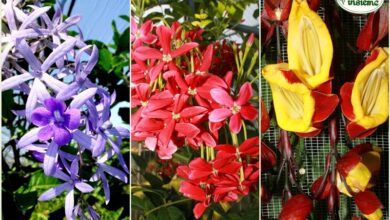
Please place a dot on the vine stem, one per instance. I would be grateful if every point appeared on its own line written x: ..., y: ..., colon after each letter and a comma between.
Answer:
x: 165, y: 205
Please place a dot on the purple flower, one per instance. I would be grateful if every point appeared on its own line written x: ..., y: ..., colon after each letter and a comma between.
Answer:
x: 55, y: 121
x: 72, y: 181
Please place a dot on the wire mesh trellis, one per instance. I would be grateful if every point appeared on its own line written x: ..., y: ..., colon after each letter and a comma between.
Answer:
x: 316, y: 148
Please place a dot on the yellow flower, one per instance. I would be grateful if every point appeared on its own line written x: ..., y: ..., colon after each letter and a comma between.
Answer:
x: 309, y: 46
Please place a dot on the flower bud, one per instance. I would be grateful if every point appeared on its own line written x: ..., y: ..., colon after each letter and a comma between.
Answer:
x: 297, y: 207
x: 369, y: 204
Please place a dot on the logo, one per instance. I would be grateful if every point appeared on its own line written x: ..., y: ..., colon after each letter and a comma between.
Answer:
x: 360, y: 6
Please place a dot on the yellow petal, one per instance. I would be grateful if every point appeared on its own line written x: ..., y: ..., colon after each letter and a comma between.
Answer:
x: 375, y: 215
x: 341, y: 187
x: 309, y: 46
x: 358, y: 177
x: 370, y: 95
x: 294, y: 105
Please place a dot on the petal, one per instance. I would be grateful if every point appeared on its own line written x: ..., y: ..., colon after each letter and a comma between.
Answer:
x: 74, y: 169
x: 28, y: 138
x: 14, y: 81
x: 150, y: 143
x: 83, y: 139
x: 106, y: 188
x: 99, y: 146
x: 208, y: 139
x: 367, y: 202
x: 235, y: 123
x: 58, y: 53
x: 72, y: 118
x: 245, y: 94
x: 250, y: 146
x: 33, y: 16
x: 49, y: 163
x: 268, y: 158
x: 355, y: 130
x: 199, y: 209
x: 192, y: 111
x: 188, y: 129
x: 144, y: 53
x: 220, y: 114
x: 248, y: 112
x: 27, y: 54
x: 114, y: 172
x: 297, y: 207
x: 41, y: 116
x: 61, y: 136
x: 53, y: 104
x: 183, y: 49
x: 166, y: 134
x: 40, y: 90
x: 325, y: 104
x: 222, y: 97
x: 192, y: 191
x: 69, y: 204
x: 67, y: 92
x: 83, y: 187
x: 164, y: 36
x: 46, y: 133
x: 32, y: 100
x: 81, y: 98
x: 53, y: 83
x: 310, y: 48
x: 53, y: 192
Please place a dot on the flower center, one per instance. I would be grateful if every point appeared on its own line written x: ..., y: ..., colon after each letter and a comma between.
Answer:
x: 309, y: 48
x: 199, y: 73
x: 215, y: 172
x: 175, y: 116
x: 138, y: 34
x: 144, y: 103
x: 58, y: 117
x: 191, y: 91
x: 278, y: 13
x: 235, y: 108
x: 146, y: 72
x: 167, y: 58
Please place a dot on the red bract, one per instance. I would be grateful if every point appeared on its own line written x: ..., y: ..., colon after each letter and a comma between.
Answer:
x: 265, y: 121
x: 141, y: 35
x: 268, y: 158
x: 235, y: 110
x: 315, y: 187
x: 375, y: 29
x: 369, y: 204
x: 297, y: 207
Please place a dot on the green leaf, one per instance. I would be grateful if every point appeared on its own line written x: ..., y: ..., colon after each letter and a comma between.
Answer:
x: 105, y: 59
x: 42, y: 182
x: 153, y: 180
x: 170, y: 213
x: 140, y: 161
x: 7, y: 106
x: 26, y: 201
x: 125, y: 17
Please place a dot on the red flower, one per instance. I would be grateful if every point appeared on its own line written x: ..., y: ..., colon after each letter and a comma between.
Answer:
x: 201, y: 169
x: 277, y: 10
x: 297, y: 207
x: 375, y: 29
x: 143, y: 34
x: 249, y: 147
x: 240, y: 108
x: 325, y: 191
x: 265, y: 121
x: 167, y: 55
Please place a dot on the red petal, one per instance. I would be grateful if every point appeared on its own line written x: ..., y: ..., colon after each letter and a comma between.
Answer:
x: 149, y: 125
x: 230, y: 168
x: 367, y: 202
x: 291, y: 77
x: 144, y: 53
x: 324, y: 105
x: 228, y: 78
x: 160, y: 114
x: 164, y: 36
x: 346, y: 105
x: 208, y: 139
x: 365, y: 36
x: 166, y: 134
x: 382, y: 20
x: 222, y: 97
x: 199, y: 210
x: 356, y: 131
x: 250, y: 146
x: 183, y: 171
x: 226, y: 148
x: 297, y: 207
x: 183, y: 49
x: 325, y: 87
x: 362, y: 148
x: 219, y: 114
x: 192, y: 111
x: 192, y: 191
x: 188, y: 129
x: 325, y: 190
x: 207, y: 58
x: 310, y: 134
x: 347, y: 162
x: 313, y: 4
x: 248, y: 112
x: 235, y: 123
x: 245, y: 94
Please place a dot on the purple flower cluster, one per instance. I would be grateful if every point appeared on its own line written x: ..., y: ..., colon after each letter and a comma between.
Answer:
x: 66, y: 108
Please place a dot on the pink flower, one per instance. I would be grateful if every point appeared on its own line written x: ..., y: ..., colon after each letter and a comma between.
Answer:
x: 235, y: 110
x: 141, y: 35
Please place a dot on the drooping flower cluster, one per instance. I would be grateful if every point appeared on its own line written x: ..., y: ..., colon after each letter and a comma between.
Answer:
x: 67, y: 110
x: 184, y: 95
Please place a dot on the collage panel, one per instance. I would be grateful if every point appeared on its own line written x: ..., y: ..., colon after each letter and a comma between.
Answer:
x: 195, y: 99
x: 65, y: 109
x: 325, y: 107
